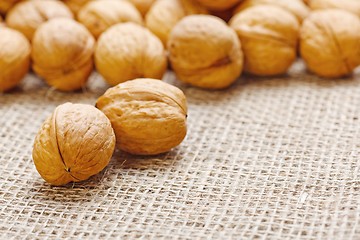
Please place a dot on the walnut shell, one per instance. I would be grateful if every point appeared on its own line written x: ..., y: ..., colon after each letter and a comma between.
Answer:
x: 219, y: 4
x: 348, y: 5
x: 148, y: 115
x: 127, y: 51
x: 165, y: 14
x: 98, y: 16
x: 296, y: 7
x: 203, y: 63
x: 269, y: 36
x: 74, y: 143
x: 143, y: 5
x: 330, y: 42
x: 5, y: 5
x: 27, y: 16
x: 14, y: 58
x: 75, y: 5
x: 62, y: 53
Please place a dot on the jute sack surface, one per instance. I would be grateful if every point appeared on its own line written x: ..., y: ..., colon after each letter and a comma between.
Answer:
x: 266, y: 159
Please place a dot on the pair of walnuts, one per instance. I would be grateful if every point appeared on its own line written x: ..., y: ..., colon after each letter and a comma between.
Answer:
x: 142, y: 116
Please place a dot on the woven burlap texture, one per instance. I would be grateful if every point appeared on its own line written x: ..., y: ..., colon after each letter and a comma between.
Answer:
x: 265, y: 159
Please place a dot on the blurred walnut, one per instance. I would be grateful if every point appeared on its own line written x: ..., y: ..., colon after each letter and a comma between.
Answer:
x: 74, y: 143
x: 205, y: 52
x: 14, y: 58
x: 127, y: 51
x: 348, y: 5
x: 165, y: 14
x: 62, y: 53
x: 148, y: 115
x: 296, y: 7
x: 75, y: 5
x: 330, y: 42
x: 143, y: 5
x: 27, y: 16
x: 98, y: 16
x: 218, y: 4
x: 268, y: 35
x: 5, y: 5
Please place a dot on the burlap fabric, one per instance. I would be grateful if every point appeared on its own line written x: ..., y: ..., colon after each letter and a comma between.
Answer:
x: 265, y: 159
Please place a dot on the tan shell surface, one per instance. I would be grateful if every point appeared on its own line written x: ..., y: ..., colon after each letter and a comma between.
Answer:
x: 5, y: 5
x: 296, y: 7
x: 98, y: 16
x: 127, y: 51
x: 62, y: 53
x: 76, y: 142
x: 14, y: 58
x: 218, y: 4
x: 330, y: 42
x: 165, y: 14
x: 348, y: 5
x: 205, y: 52
x: 75, y: 5
x: 148, y: 115
x: 27, y: 16
x: 269, y: 37
x: 143, y: 5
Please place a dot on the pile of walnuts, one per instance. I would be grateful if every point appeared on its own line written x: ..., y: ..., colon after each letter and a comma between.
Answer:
x: 132, y: 43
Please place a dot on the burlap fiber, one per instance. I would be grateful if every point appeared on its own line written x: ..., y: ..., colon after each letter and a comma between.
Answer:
x: 266, y: 159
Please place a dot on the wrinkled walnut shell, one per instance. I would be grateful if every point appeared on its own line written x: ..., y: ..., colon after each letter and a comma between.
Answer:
x: 62, y: 53
x: 14, y: 58
x: 348, y: 5
x: 148, y: 115
x: 127, y: 51
x: 76, y: 142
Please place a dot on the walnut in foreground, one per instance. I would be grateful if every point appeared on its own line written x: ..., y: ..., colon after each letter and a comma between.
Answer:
x: 148, y: 115
x: 14, y: 58
x: 62, y: 53
x: 74, y: 143
x: 205, y: 52
x: 330, y: 42
x: 269, y: 37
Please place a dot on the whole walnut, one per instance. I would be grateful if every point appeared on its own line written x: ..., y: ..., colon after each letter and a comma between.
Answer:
x: 205, y: 52
x: 98, y: 16
x: 76, y: 5
x: 5, y: 5
x: 330, y: 42
x: 269, y: 36
x: 27, y: 16
x: 62, y: 53
x: 74, y: 143
x: 148, y: 115
x: 296, y: 7
x: 219, y: 4
x: 165, y: 14
x: 127, y: 51
x: 14, y: 58
x: 348, y: 5
x: 143, y: 5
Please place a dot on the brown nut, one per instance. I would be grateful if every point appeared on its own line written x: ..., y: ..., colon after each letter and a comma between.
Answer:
x: 268, y: 35
x: 14, y: 58
x: 205, y: 52
x: 348, y: 5
x: 62, y: 53
x: 75, y: 5
x: 296, y: 7
x: 143, y: 5
x: 98, y: 16
x: 5, y: 5
x: 219, y: 4
x: 74, y: 143
x: 127, y: 51
x: 27, y: 16
x: 148, y: 115
x: 165, y: 14
x: 330, y: 42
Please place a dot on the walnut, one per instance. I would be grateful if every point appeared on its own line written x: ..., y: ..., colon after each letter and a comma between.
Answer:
x: 76, y: 5
x: 5, y: 5
x: 269, y: 36
x: 27, y: 16
x: 148, y: 115
x: 127, y: 51
x: 62, y: 53
x: 14, y: 58
x: 219, y: 4
x: 205, y: 52
x: 296, y: 7
x: 165, y: 14
x: 74, y: 143
x: 98, y: 16
x: 330, y: 42
x: 143, y: 5
x: 348, y: 5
